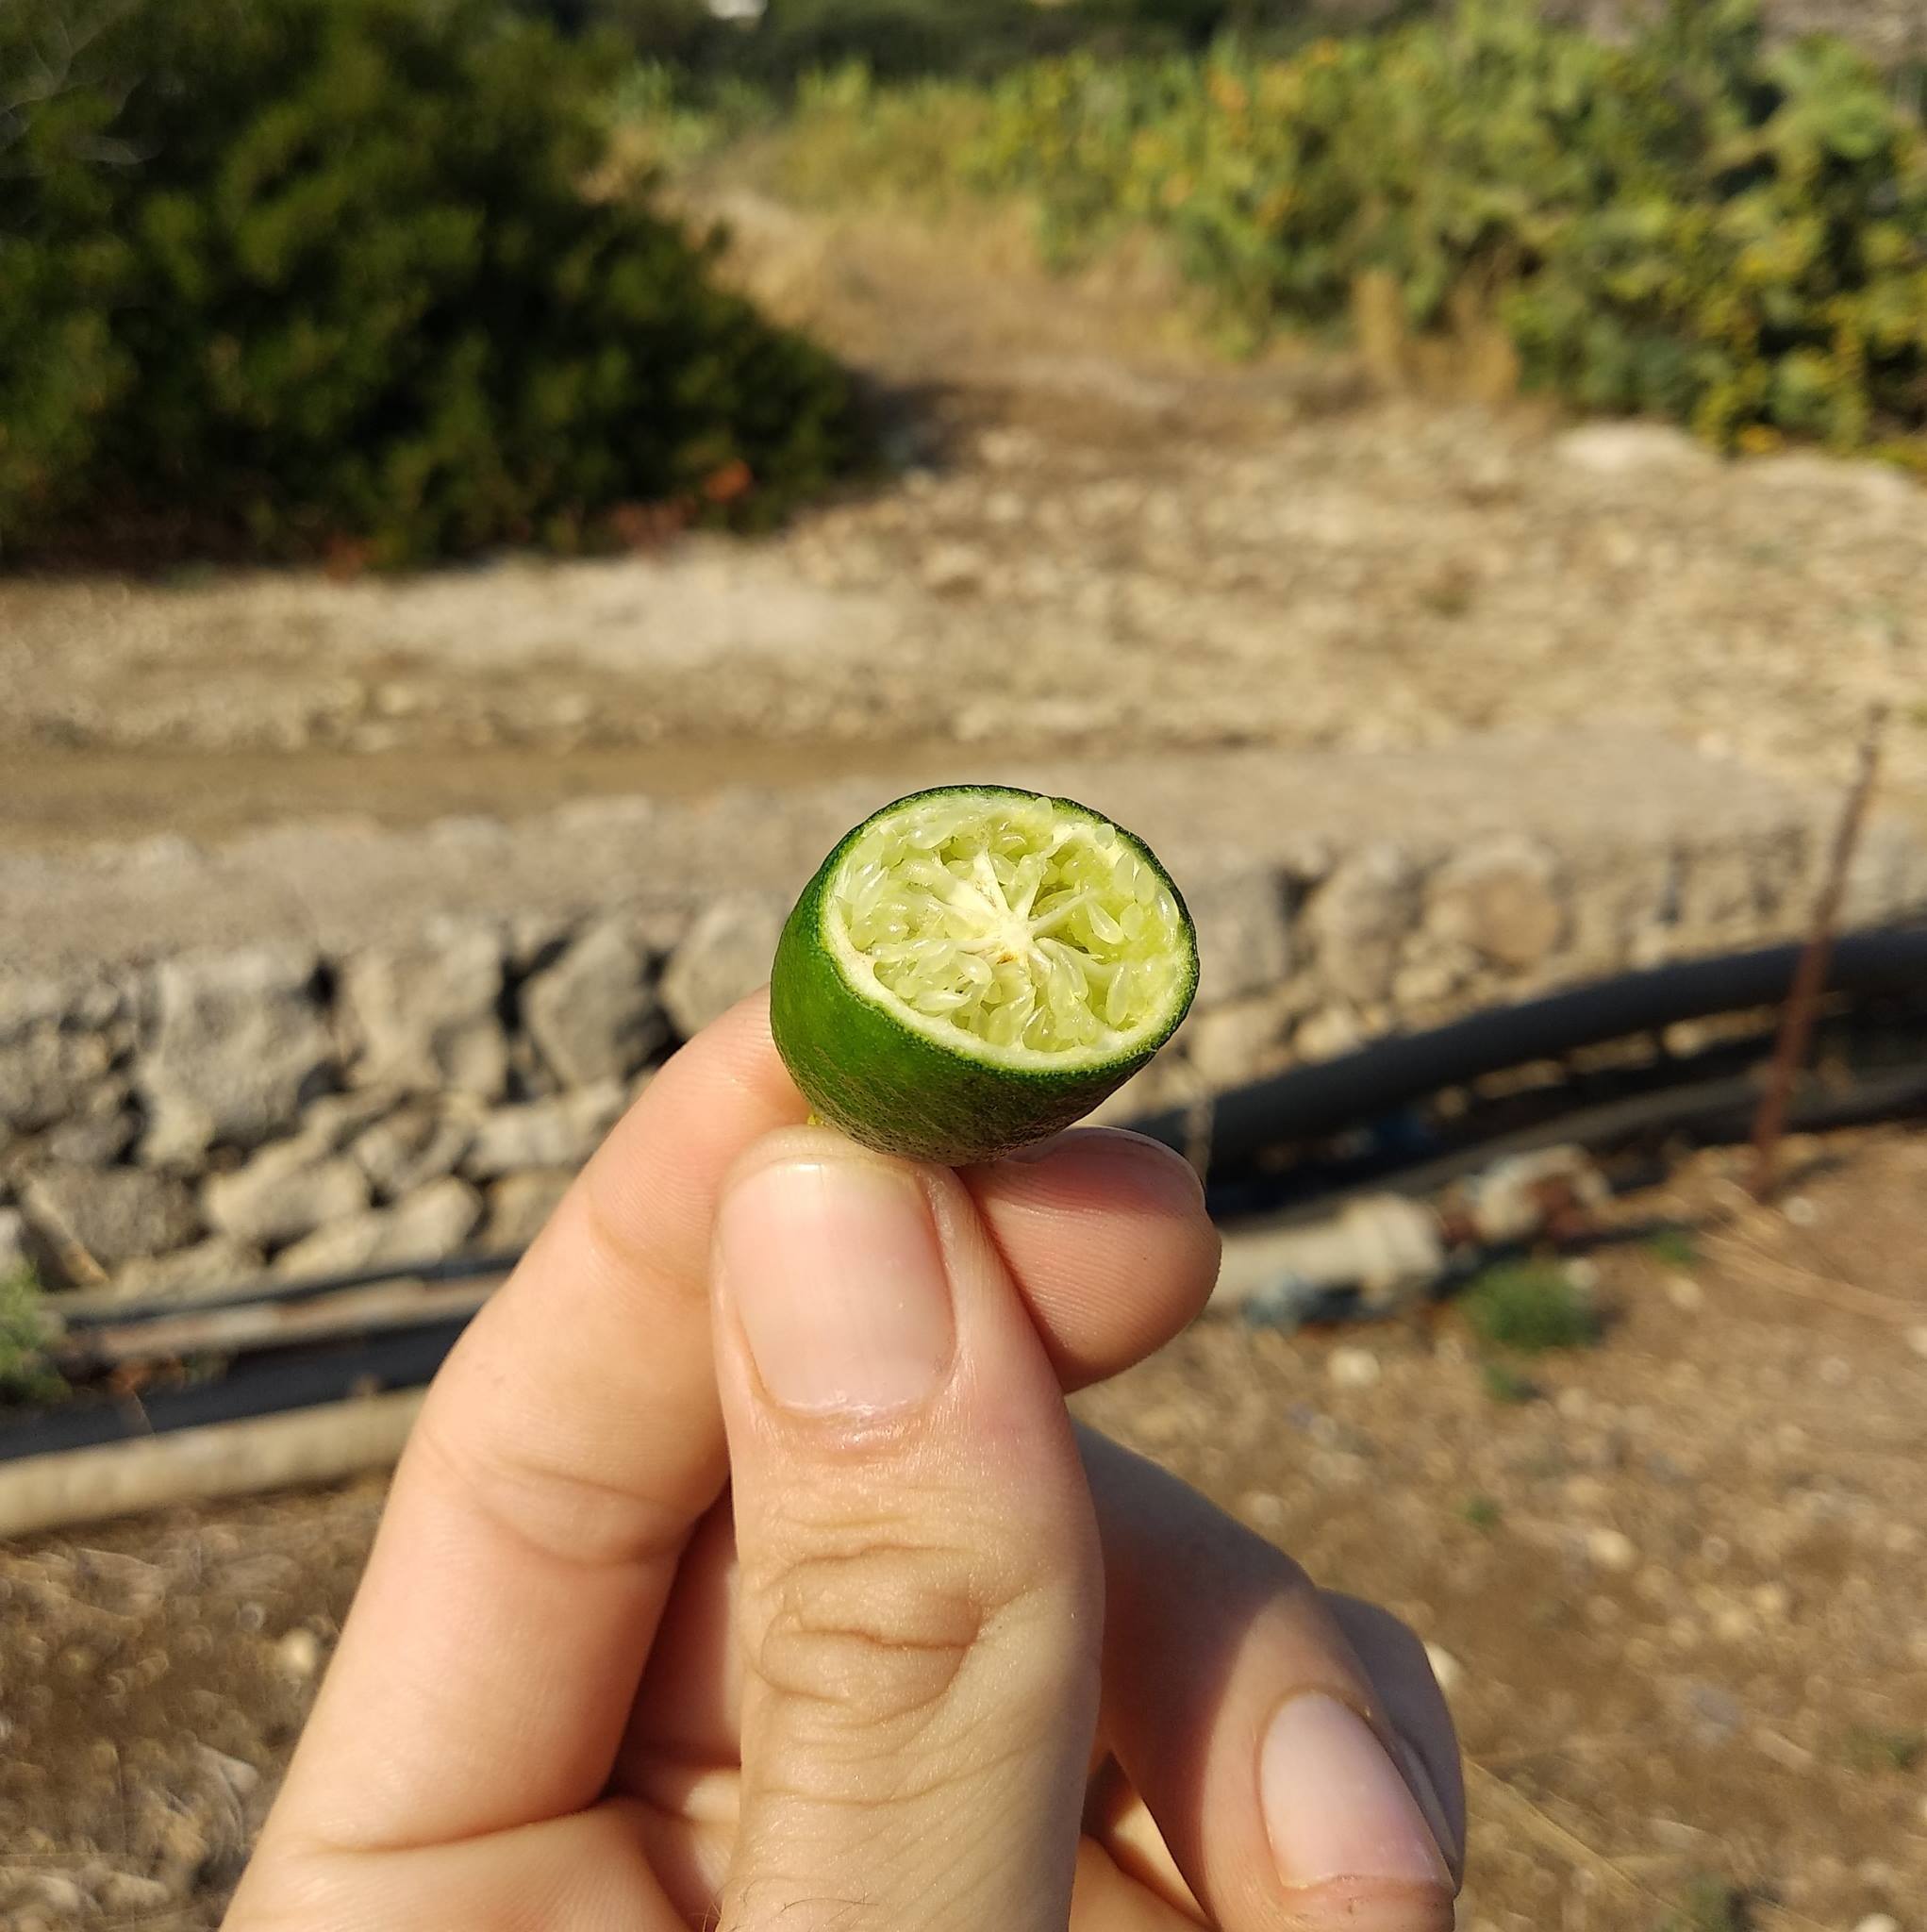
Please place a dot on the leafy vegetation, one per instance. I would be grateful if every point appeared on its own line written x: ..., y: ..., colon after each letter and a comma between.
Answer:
x: 1700, y: 224
x: 1531, y: 1308
x: 299, y: 276
x: 1711, y: 1905
x: 1506, y: 1386
x: 27, y: 1376
x: 1870, y: 1748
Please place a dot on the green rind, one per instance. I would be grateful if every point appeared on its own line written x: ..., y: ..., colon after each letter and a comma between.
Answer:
x: 892, y: 1089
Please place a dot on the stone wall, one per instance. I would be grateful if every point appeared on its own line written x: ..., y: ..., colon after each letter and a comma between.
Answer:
x: 338, y: 1047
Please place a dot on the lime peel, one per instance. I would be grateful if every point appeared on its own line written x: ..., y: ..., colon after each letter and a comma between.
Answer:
x: 974, y: 967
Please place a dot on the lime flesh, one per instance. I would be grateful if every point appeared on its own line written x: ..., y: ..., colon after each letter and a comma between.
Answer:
x: 973, y: 968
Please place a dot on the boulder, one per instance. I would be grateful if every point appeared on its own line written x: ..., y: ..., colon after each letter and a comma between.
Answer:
x: 117, y: 1213
x: 1503, y: 898
x: 284, y: 1191
x: 426, y: 1013
x: 411, y: 1147
x: 238, y: 1046
x: 427, y: 1226
x: 594, y: 1013
x: 725, y: 955
x: 562, y: 1132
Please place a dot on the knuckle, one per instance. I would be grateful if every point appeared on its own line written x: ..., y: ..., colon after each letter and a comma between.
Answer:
x: 878, y: 1624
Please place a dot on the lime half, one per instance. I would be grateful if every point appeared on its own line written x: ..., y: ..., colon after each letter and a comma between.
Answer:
x: 973, y: 968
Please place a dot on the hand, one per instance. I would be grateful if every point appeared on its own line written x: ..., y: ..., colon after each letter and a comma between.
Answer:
x: 932, y: 1662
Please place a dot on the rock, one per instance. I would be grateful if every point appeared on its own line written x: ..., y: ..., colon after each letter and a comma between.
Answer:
x: 127, y: 1892
x: 1630, y: 449
x: 1445, y: 1667
x: 1685, y: 1293
x: 284, y: 1191
x: 117, y: 1213
x: 1244, y: 934
x: 1503, y: 897
x: 53, y: 1048
x: 411, y: 1148
x: 238, y: 1048
x: 725, y: 955
x: 427, y: 1226
x: 1878, y: 1921
x: 562, y: 1132
x: 427, y: 1013
x: 1800, y: 1210
x: 331, y: 1123
x: 98, y: 1133
x: 1353, y: 1368
x: 298, y: 1654
x: 1611, y: 1549
x: 215, y: 1263
x: 594, y: 1013
x: 519, y: 1209
x: 1358, y: 920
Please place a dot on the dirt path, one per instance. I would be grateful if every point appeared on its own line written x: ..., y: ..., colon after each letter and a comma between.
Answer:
x: 1096, y: 535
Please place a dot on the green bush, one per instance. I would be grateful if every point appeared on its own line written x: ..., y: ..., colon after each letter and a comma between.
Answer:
x: 1698, y: 224
x: 287, y: 276
x: 1529, y: 1307
x: 26, y: 1375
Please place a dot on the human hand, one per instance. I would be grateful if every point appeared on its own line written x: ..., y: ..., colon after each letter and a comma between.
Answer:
x: 932, y: 1660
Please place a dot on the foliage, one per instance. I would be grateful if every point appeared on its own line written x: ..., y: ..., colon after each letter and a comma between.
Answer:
x: 1711, y: 1905
x: 1530, y: 1307
x: 26, y: 1373
x: 1700, y: 224
x: 292, y: 275
x: 1506, y: 1386
x: 1482, y: 1512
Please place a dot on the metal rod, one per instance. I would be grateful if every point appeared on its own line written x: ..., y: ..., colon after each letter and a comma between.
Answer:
x: 1810, y: 975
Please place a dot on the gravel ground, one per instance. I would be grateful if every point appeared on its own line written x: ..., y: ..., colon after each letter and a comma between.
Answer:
x: 1674, y: 1593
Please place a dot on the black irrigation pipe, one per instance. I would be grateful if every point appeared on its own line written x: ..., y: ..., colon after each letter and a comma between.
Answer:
x: 1313, y: 1102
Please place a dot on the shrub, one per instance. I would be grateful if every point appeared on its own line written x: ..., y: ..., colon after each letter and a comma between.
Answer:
x: 290, y: 274
x: 1700, y: 224
x: 27, y: 1376
x: 1529, y: 1307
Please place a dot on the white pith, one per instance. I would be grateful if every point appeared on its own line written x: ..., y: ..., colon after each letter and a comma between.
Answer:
x: 1011, y: 929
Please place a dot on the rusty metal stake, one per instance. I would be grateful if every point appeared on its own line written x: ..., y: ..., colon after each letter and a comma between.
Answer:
x: 1810, y: 975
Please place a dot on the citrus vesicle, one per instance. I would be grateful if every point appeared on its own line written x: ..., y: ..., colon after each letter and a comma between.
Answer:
x: 974, y: 967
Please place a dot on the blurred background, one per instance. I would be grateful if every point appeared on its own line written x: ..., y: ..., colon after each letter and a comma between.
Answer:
x: 489, y: 490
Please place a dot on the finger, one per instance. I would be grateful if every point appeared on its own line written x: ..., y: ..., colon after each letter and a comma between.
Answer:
x: 920, y: 1594
x: 564, y: 1452
x: 1249, y: 1726
x: 1107, y: 1899
x: 1401, y: 1673
x: 1107, y: 1235
x: 585, y: 1872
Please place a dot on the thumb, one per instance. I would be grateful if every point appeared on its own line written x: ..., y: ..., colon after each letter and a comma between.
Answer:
x: 921, y: 1593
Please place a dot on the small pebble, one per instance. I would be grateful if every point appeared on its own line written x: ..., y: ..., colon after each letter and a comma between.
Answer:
x: 1685, y: 1293
x: 1878, y: 1921
x: 1836, y: 1371
x: 1917, y: 1341
x: 1583, y: 1273
x: 1445, y: 1667
x: 1800, y: 1210
x: 1353, y: 1368
x: 298, y: 1653
x: 1611, y: 1549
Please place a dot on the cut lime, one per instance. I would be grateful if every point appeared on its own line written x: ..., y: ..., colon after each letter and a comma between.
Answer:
x: 973, y: 968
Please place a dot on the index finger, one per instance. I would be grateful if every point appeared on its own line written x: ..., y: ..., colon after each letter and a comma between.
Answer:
x: 565, y: 1451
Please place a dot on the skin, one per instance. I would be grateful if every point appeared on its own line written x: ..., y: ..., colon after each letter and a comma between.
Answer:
x: 941, y: 1663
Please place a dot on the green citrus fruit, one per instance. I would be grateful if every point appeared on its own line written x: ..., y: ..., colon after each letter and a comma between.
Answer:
x: 974, y: 967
